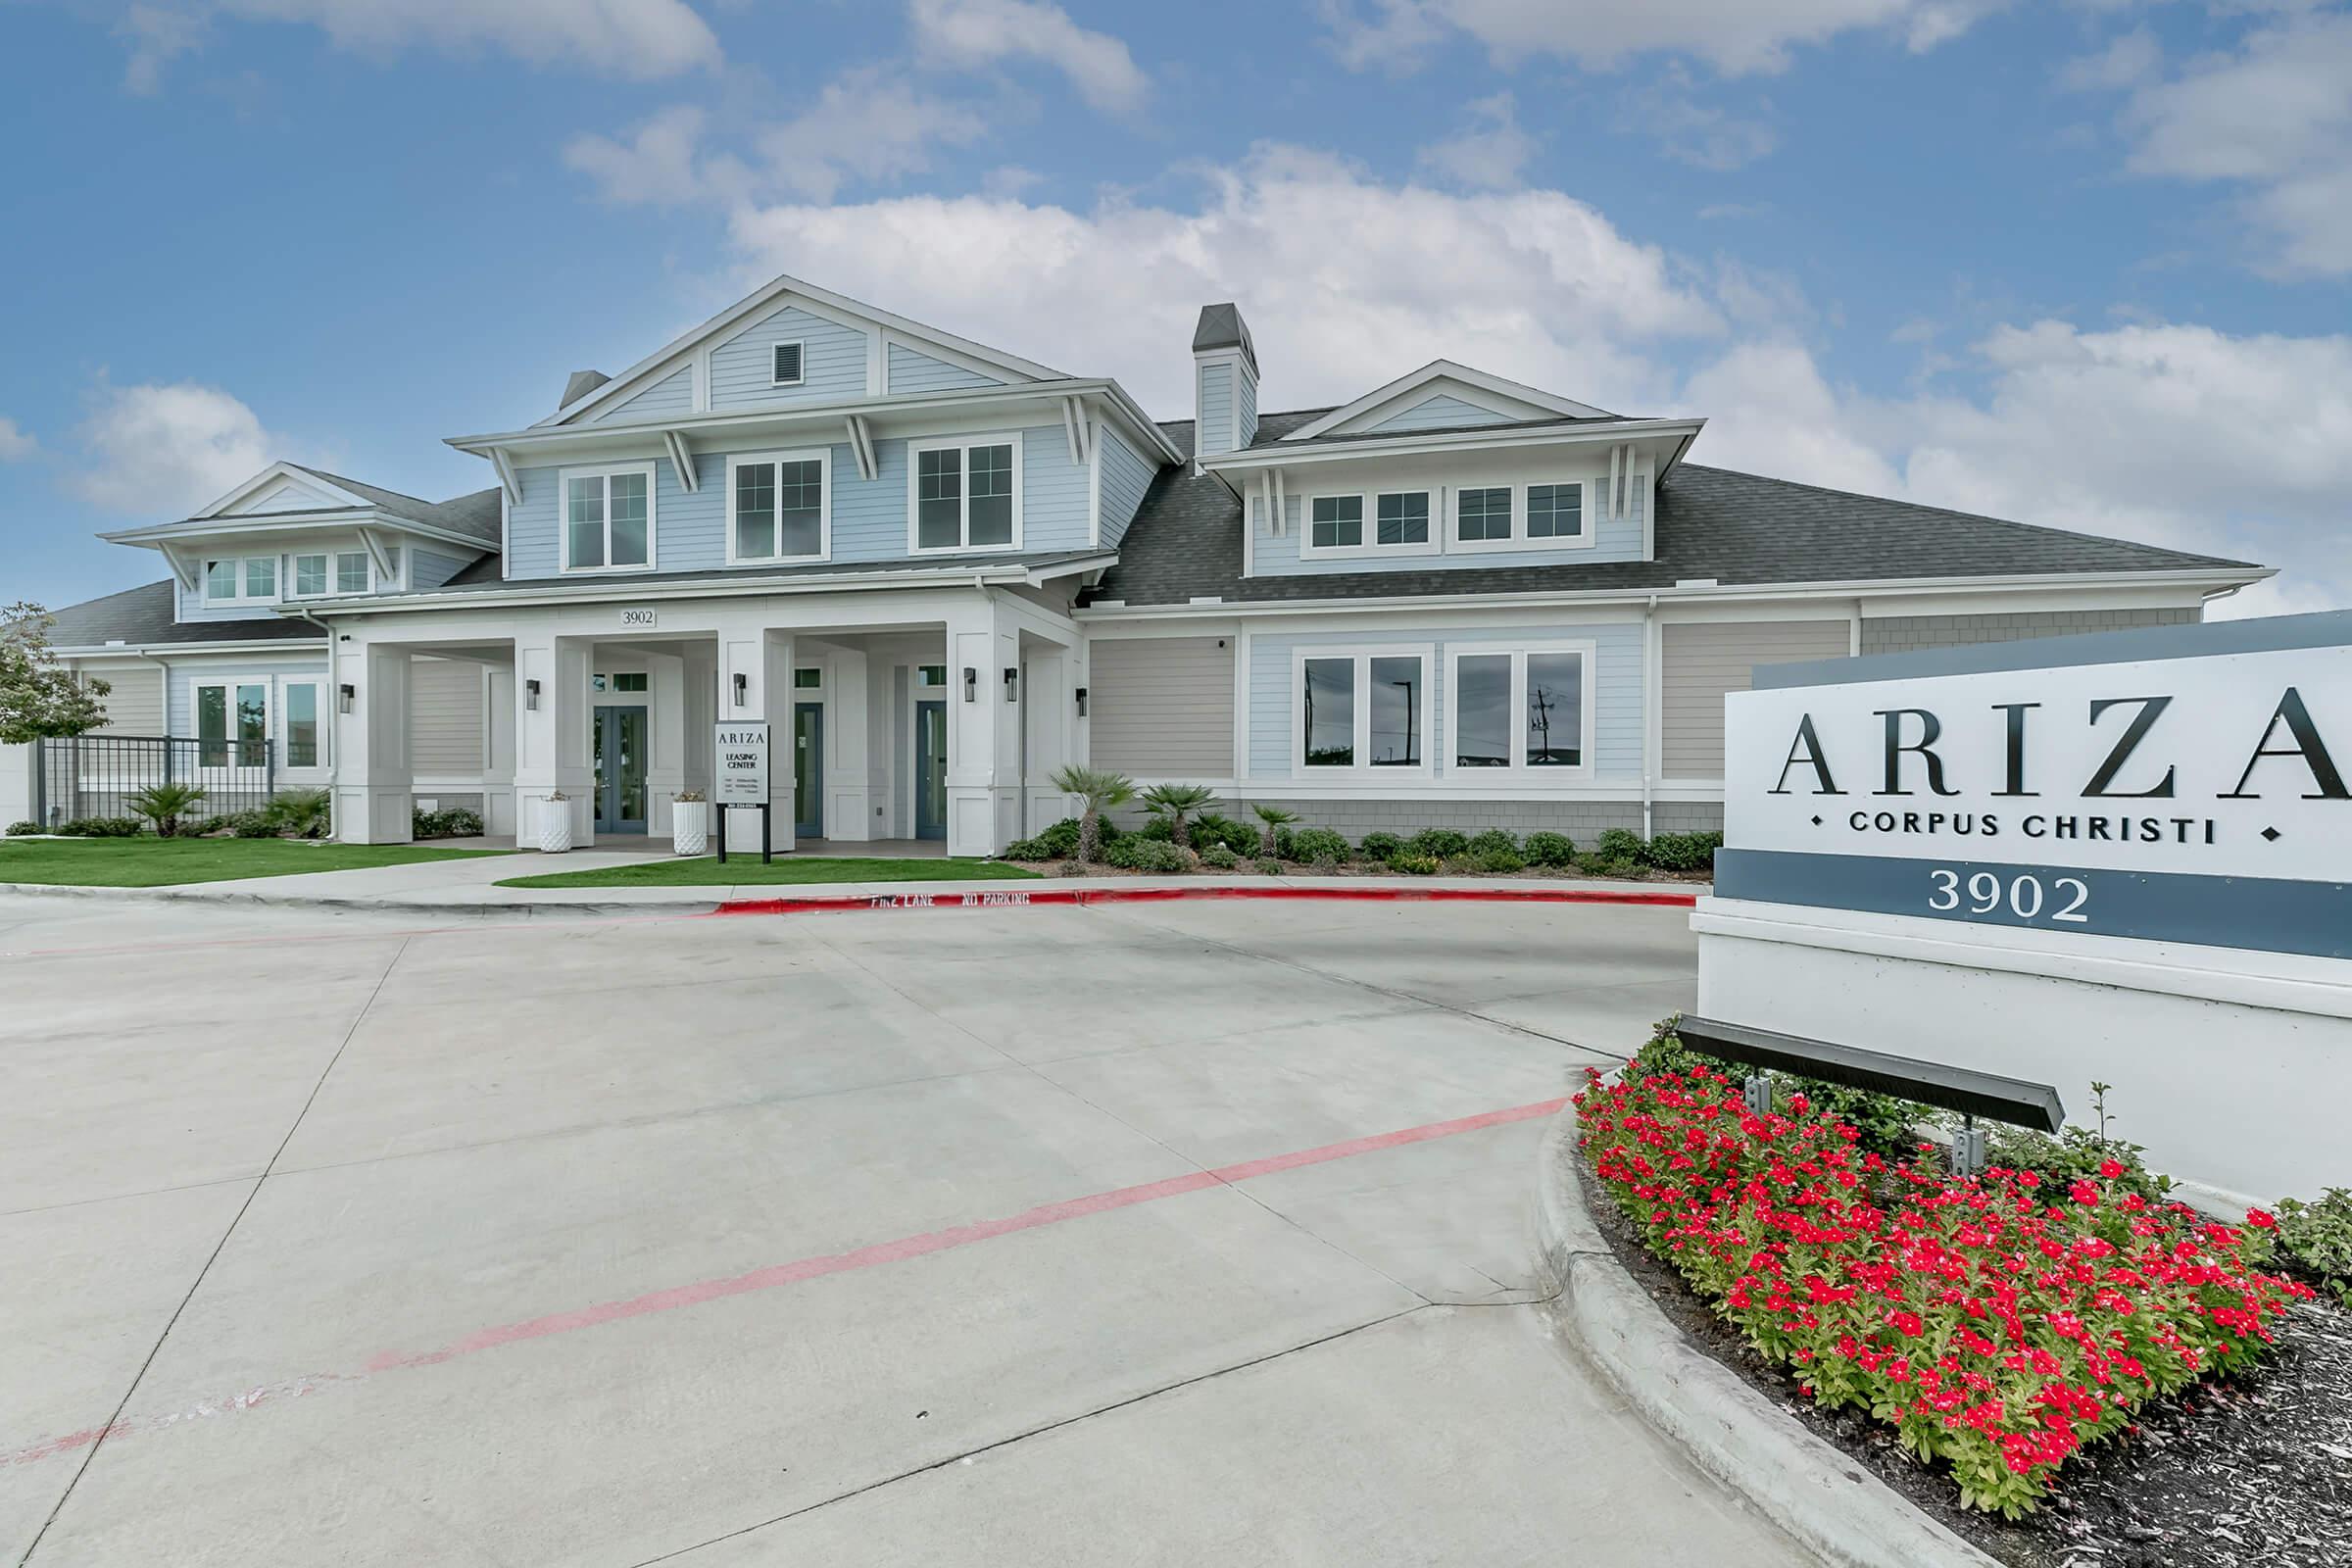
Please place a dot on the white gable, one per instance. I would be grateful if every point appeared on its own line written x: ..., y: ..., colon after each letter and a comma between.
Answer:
x: 283, y: 487
x: 1442, y: 395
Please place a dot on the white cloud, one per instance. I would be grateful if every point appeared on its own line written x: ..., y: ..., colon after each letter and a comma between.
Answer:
x: 2129, y: 59
x: 1346, y: 281
x: 15, y: 445
x: 161, y: 451
x: 636, y: 38
x: 1700, y: 134
x: 866, y: 125
x: 1490, y: 152
x: 2276, y: 116
x: 1735, y: 37
x: 961, y: 35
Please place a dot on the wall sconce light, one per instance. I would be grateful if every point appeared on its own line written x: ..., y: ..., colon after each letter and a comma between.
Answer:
x: 348, y: 697
x: 1080, y: 701
x: 743, y: 686
x: 1013, y: 684
x: 971, y: 684
x: 530, y: 695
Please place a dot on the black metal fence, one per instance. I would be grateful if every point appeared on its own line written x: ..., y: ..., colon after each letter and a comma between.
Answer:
x: 96, y: 776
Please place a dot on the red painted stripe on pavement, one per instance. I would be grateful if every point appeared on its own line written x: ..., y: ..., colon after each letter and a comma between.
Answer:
x: 777, y: 1275
x: 832, y: 902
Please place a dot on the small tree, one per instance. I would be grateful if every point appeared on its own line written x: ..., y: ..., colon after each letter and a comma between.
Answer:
x: 39, y: 698
x: 1100, y: 791
x: 1175, y: 801
x: 165, y: 805
x: 1272, y: 819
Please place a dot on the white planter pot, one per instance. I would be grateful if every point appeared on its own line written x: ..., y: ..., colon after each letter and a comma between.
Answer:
x: 690, y: 826
x: 555, y: 826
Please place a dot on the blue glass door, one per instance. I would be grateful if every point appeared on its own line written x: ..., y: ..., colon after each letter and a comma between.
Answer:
x: 620, y: 769
x: 808, y: 769
x: 931, y: 771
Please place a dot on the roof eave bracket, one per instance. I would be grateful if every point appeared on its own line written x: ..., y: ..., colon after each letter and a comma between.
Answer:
x: 681, y: 457
x: 508, y: 480
x: 862, y: 446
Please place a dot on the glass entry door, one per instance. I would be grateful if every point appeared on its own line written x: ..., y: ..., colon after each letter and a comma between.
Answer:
x: 931, y: 771
x: 808, y: 769
x: 621, y: 762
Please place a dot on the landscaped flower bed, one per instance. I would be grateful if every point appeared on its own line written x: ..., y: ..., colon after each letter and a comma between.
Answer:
x: 1997, y: 1323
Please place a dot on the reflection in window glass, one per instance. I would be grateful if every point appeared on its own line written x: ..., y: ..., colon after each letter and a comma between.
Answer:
x: 1485, y: 514
x: 586, y: 504
x: 939, y: 499
x: 931, y: 675
x: 628, y: 520
x: 800, y: 509
x: 1397, y: 711
x: 1482, y: 711
x: 1338, y: 521
x: 211, y: 725
x: 351, y: 572
x: 992, y: 496
x: 220, y: 579
x: 1330, y: 717
x: 261, y: 577
x: 1555, y: 710
x: 301, y: 725
x: 1404, y: 519
x: 1555, y: 510
x: 310, y: 575
x: 756, y: 511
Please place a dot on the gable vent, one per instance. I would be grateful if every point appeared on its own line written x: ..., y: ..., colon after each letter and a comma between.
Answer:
x: 788, y: 364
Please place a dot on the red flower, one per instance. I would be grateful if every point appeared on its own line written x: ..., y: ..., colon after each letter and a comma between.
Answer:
x: 2261, y: 1220
x: 2110, y: 1168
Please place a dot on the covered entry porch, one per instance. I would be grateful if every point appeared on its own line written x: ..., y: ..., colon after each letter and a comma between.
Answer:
x: 931, y: 719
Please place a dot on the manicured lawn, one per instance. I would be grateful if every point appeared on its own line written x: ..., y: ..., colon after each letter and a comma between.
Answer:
x: 704, y: 871
x: 166, y: 862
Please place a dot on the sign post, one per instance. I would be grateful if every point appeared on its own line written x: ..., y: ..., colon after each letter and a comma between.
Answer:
x: 740, y: 763
x: 2123, y: 858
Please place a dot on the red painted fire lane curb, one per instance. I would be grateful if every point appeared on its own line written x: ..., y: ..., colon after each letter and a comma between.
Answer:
x: 776, y: 1275
x: 822, y: 904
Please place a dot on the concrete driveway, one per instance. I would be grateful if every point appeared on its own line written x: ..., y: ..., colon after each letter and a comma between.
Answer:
x: 1180, y: 1234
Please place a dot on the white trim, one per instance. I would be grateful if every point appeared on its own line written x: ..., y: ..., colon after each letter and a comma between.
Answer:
x: 1517, y: 770
x: 234, y: 528
x: 1413, y: 443
x: 963, y: 444
x: 681, y: 457
x: 822, y: 457
x: 606, y: 472
x: 510, y: 483
x: 1360, y: 655
x: 324, y: 715
x: 307, y: 478
x: 229, y: 683
x: 799, y: 359
x: 1456, y: 544
x: 817, y: 302
x: 290, y: 591
x: 861, y: 447
x: 1370, y: 547
x: 204, y: 583
x: 1446, y: 370
x: 1306, y: 524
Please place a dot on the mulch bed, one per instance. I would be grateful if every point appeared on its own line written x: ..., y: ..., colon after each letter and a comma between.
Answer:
x: 1532, y: 873
x: 2257, y: 1470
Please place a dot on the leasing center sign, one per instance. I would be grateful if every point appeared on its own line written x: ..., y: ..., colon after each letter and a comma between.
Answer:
x: 2184, y: 784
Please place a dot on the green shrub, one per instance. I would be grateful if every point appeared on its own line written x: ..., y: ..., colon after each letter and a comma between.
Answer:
x: 1267, y: 866
x: 1492, y: 841
x: 304, y: 814
x: 253, y: 824
x: 1157, y: 827
x: 1209, y: 828
x: 1220, y: 858
x: 1618, y: 866
x: 1312, y: 844
x: 1061, y: 841
x: 460, y: 822
x: 1026, y: 849
x: 1618, y: 843
x: 204, y: 827
x: 103, y: 828
x: 1436, y: 844
x: 1380, y: 847
x: 1684, y: 852
x: 1411, y: 864
x: 165, y: 805
x: 1136, y: 853
x: 1549, y: 848
x: 1497, y: 861
x: 425, y: 826
x: 17, y: 830
x: 2318, y: 1238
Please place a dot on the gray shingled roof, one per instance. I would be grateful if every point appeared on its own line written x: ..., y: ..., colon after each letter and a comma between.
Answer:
x: 1737, y: 528
x: 1484, y: 427
x: 1222, y: 328
x: 141, y: 618
x: 475, y: 513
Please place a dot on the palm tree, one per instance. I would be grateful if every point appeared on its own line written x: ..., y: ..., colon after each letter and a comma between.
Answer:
x: 1274, y: 818
x: 1173, y: 801
x: 1102, y: 791
x: 165, y: 803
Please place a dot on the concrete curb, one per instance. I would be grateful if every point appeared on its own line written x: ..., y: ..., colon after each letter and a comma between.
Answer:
x: 982, y: 895
x: 1818, y: 1494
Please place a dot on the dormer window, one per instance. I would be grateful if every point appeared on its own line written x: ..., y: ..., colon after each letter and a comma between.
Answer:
x: 319, y: 574
x: 248, y: 579
x: 787, y: 365
x: 1484, y: 515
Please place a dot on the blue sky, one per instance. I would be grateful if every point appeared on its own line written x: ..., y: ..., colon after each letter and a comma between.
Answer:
x: 2087, y: 263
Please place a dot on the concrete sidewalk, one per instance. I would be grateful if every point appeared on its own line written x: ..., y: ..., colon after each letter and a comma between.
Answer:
x: 468, y: 886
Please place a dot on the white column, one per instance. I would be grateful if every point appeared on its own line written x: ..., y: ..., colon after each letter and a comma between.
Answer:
x: 1049, y: 713
x: 983, y: 730
x: 374, y: 800
x: 849, y: 800
x: 755, y: 682
x: 665, y: 722
x: 498, y: 750
x: 551, y: 735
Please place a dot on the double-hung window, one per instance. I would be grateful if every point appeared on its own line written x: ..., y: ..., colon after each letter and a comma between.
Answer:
x: 240, y: 580
x: 320, y: 573
x: 1359, y: 709
x: 310, y: 576
x: 964, y: 494
x: 608, y: 518
x: 305, y: 723
x: 351, y: 571
x: 232, y: 723
x: 1526, y: 709
x: 779, y: 507
x: 1482, y: 515
x: 1555, y: 511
